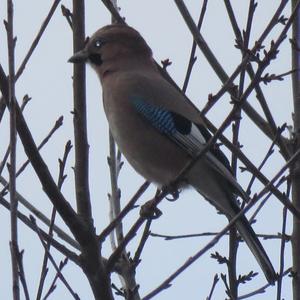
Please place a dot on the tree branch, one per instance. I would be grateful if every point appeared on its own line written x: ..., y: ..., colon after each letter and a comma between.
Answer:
x: 79, y: 120
x: 295, y: 171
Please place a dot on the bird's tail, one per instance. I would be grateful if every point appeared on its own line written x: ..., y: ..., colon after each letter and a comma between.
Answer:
x: 216, y: 193
x: 249, y: 236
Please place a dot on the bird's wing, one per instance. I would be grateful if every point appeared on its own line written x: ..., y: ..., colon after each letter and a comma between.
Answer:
x: 189, y: 136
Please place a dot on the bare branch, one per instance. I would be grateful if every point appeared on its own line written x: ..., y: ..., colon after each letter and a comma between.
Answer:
x: 68, y: 15
x: 79, y: 120
x: 60, y: 275
x: 261, y: 289
x: 61, y: 178
x: 22, y: 275
x: 296, y: 146
x: 115, y: 166
x: 38, y: 214
x: 215, y: 281
x: 115, y: 14
x: 57, y: 125
x: 149, y: 212
x: 129, y: 206
x: 13, y: 147
x: 193, y: 58
x: 30, y: 51
x: 37, y: 38
x: 59, y: 247
x: 52, y: 287
x: 169, y: 237
x: 146, y: 234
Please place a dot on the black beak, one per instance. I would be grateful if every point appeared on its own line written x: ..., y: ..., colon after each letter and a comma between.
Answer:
x: 79, y: 57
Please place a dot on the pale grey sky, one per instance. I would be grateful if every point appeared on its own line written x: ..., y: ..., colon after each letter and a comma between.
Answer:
x: 47, y: 79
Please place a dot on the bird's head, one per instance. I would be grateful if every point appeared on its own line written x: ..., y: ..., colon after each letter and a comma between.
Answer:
x: 111, y: 46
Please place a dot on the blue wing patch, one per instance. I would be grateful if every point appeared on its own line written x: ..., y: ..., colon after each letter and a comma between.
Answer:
x: 189, y: 136
x: 160, y: 118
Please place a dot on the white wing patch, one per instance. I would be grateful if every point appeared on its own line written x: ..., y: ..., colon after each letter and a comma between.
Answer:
x: 194, y: 142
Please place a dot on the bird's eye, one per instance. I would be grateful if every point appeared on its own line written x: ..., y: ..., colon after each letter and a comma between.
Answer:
x: 98, y: 43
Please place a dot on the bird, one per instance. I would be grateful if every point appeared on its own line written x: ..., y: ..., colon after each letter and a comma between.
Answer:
x: 158, y: 131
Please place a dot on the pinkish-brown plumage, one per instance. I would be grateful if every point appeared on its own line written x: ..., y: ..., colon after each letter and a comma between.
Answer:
x: 156, y: 129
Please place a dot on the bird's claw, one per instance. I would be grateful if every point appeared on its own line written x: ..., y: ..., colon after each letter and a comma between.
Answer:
x: 150, y: 211
x: 174, y: 195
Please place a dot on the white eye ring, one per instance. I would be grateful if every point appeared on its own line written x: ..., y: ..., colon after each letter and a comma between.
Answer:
x: 98, y: 43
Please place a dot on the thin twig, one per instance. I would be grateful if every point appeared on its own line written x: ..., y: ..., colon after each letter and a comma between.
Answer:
x: 215, y: 281
x: 282, y: 247
x: 233, y: 237
x: 145, y: 235
x: 56, y: 126
x: 232, y: 261
x: 59, y: 247
x: 22, y: 275
x: 129, y: 206
x: 267, y: 78
x: 151, y: 209
x: 52, y: 286
x: 115, y: 195
x: 262, y: 289
x: 227, y: 288
x: 193, y: 58
x: 267, y: 156
x: 168, y: 237
x: 30, y: 51
x: 263, y: 201
x: 62, y: 278
x: 26, y: 99
x: 68, y: 15
x: 115, y: 14
x: 61, y: 179
x: 37, y: 38
x: 38, y: 214
x: 126, y: 274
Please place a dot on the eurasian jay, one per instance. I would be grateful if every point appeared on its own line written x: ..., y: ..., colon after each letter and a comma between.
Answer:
x: 157, y: 130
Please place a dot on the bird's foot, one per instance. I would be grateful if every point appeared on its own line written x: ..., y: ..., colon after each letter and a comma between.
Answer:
x: 150, y: 211
x: 174, y: 195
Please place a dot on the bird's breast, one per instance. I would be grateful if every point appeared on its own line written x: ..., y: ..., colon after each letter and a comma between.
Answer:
x: 149, y: 152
